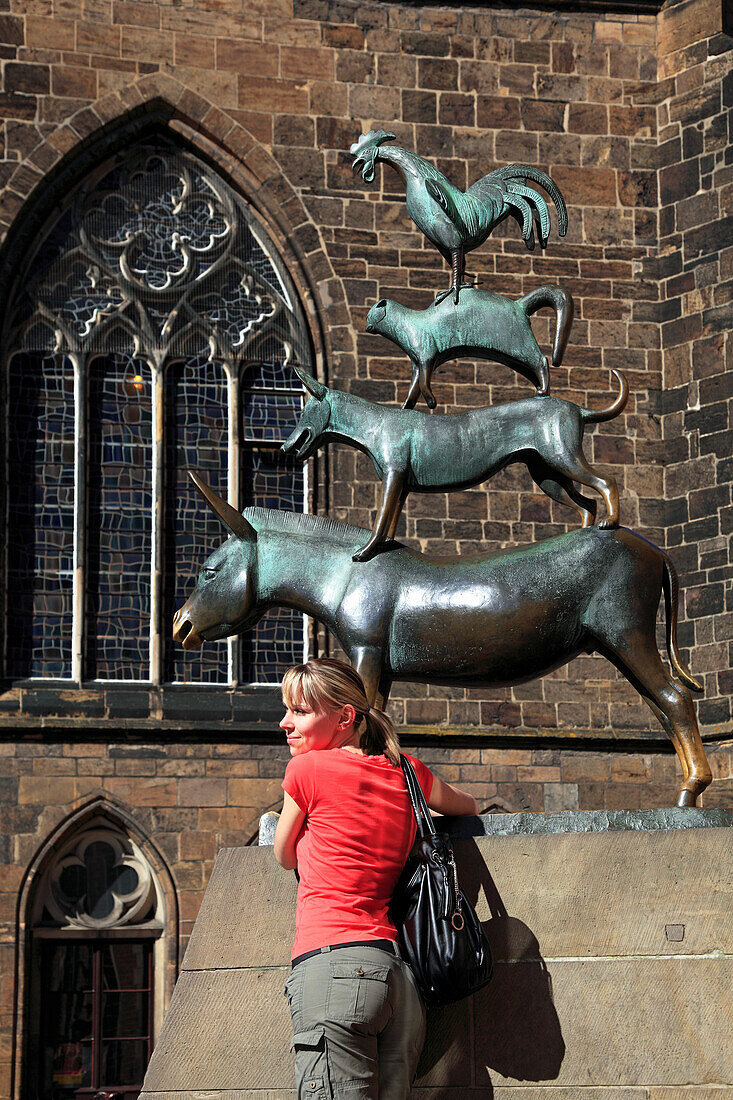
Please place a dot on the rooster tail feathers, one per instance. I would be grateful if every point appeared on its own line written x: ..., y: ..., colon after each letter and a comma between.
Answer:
x: 527, y: 172
x: 521, y: 204
x: 543, y: 214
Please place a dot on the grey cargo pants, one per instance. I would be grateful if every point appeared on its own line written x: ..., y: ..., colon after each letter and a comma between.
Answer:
x: 358, y: 1025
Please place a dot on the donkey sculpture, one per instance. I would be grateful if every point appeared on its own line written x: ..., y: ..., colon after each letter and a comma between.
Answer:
x: 493, y: 619
x: 414, y: 451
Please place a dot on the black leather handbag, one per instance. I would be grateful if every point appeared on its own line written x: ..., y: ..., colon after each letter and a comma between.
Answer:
x: 440, y: 935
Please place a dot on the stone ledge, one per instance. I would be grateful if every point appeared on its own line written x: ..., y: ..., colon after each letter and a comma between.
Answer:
x: 591, y: 821
x: 564, y: 821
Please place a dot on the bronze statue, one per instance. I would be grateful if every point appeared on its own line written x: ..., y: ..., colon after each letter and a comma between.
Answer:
x: 418, y: 452
x: 493, y: 619
x: 482, y: 326
x: 455, y: 221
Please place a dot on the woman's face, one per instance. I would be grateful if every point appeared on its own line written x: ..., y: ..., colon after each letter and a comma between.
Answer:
x: 307, y: 729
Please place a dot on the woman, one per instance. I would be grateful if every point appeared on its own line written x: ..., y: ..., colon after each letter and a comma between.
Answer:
x: 347, y: 826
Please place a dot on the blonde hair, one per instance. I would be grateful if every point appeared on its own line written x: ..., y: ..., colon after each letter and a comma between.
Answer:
x: 326, y: 684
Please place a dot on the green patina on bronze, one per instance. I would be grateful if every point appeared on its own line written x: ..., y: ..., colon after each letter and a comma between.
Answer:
x: 414, y: 451
x: 481, y: 325
x: 493, y: 619
x: 456, y: 221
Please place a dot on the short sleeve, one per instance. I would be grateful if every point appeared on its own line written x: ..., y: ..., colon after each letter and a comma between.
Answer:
x: 424, y: 776
x: 299, y: 780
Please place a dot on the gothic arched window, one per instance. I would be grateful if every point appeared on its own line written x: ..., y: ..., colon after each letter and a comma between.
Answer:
x: 97, y: 927
x: 154, y: 332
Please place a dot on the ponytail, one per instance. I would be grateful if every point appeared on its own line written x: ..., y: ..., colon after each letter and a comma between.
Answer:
x: 379, y: 737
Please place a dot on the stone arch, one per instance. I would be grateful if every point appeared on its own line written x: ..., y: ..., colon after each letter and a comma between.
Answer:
x: 99, y: 808
x: 160, y: 102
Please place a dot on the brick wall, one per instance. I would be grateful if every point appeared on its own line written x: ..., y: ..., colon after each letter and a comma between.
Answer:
x: 192, y: 798
x: 607, y: 106
x: 628, y: 114
x: 695, y: 271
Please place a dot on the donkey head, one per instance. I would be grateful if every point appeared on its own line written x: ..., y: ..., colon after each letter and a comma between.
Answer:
x: 223, y: 601
x: 306, y: 436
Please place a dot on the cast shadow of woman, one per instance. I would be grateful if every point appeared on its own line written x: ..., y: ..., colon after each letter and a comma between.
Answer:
x: 510, y: 1026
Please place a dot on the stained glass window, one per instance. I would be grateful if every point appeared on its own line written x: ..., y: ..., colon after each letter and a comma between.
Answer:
x: 197, y: 405
x: 40, y: 515
x: 119, y: 507
x: 270, y: 409
x: 154, y: 334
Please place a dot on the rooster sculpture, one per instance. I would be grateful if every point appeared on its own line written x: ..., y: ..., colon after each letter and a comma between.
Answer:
x: 458, y: 221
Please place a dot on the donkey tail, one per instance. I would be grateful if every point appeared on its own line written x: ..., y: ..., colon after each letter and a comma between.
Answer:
x: 594, y: 416
x: 671, y: 599
x: 562, y: 302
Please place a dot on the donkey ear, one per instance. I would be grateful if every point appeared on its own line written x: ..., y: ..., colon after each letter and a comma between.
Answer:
x: 313, y: 386
x: 233, y: 520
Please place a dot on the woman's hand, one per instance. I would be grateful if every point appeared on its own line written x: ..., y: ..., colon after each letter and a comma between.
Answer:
x: 446, y: 799
x: 287, y: 832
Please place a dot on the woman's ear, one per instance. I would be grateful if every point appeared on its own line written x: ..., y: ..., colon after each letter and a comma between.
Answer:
x: 347, y: 717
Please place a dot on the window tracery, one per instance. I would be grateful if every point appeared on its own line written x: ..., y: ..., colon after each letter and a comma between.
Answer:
x: 101, y: 881
x: 155, y: 334
x: 160, y: 257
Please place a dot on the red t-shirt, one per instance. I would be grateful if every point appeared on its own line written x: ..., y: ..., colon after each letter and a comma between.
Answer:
x: 359, y: 829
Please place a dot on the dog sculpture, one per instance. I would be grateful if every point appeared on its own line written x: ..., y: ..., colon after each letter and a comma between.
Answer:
x: 481, y: 325
x: 419, y: 452
x: 479, y: 621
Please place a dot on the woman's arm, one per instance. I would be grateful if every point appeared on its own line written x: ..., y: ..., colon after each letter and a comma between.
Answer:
x: 287, y: 832
x: 447, y: 799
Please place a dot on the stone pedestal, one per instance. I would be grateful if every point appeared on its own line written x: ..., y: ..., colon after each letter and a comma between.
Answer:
x: 613, y: 942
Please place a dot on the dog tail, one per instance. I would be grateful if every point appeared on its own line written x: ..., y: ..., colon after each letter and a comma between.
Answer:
x: 562, y: 302
x: 594, y: 416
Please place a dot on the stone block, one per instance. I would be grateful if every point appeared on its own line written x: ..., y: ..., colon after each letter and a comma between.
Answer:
x: 247, y: 57
x: 242, y: 1029
x: 613, y: 965
x: 11, y: 30
x: 574, y: 1025
x: 27, y: 79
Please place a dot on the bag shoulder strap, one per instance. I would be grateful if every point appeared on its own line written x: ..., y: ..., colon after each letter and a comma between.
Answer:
x: 417, y: 798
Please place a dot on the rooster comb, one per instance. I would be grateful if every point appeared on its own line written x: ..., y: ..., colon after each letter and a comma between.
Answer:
x: 373, y: 139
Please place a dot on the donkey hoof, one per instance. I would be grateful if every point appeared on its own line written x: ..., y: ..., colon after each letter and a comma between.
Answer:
x: 686, y: 798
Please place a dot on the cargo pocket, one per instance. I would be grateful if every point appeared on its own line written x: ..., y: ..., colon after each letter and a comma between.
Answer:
x: 358, y: 993
x: 311, y: 1067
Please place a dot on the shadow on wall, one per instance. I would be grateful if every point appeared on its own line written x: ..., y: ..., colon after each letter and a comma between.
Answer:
x: 511, y: 1026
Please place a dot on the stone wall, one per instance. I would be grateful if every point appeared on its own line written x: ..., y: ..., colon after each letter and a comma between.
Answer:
x: 576, y: 921
x: 695, y: 272
x: 628, y: 113
x: 192, y: 798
